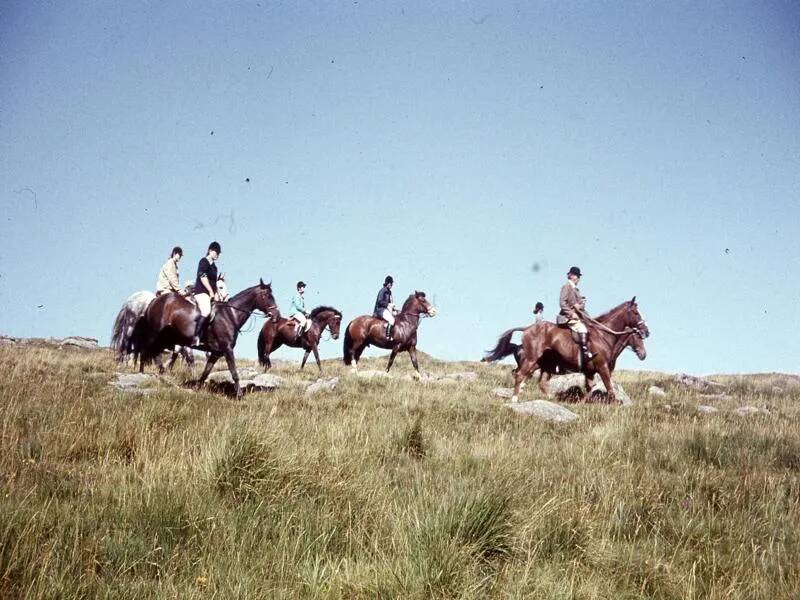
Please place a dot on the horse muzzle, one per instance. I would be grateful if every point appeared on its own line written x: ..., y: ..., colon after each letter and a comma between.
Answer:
x: 432, y: 311
x: 641, y: 354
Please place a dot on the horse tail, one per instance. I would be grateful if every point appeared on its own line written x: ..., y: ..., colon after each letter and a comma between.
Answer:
x: 119, y: 333
x: 348, y: 346
x: 504, y: 346
x: 137, y: 341
x: 262, y: 350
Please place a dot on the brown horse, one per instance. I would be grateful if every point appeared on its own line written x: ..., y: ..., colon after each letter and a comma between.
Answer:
x: 551, y: 348
x: 170, y: 320
x: 274, y: 334
x: 368, y: 330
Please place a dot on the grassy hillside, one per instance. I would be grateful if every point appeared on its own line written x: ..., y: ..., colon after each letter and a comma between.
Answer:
x: 387, y: 488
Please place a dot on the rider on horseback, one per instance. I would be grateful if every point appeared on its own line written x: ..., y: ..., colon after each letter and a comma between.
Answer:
x: 297, y: 311
x: 206, y: 289
x: 572, y: 305
x: 537, y: 312
x: 168, y: 280
x: 384, y: 307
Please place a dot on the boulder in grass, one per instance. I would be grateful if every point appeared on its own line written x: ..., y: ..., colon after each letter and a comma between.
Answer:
x: 266, y: 381
x: 322, y: 385
x: 599, y: 393
x: 699, y: 383
x: 654, y: 390
x: 464, y: 376
x: 371, y: 374
x: 545, y: 410
x: 503, y: 392
x: 80, y: 342
x: 705, y: 409
x: 747, y: 411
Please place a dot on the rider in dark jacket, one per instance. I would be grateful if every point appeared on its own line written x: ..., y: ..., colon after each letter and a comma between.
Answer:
x: 384, y: 306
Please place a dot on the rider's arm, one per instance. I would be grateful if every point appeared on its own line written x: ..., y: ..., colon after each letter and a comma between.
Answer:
x: 206, y: 284
x: 172, y: 276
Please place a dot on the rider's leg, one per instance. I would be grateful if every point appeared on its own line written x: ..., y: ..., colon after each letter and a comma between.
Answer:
x: 389, y: 318
x: 204, y: 306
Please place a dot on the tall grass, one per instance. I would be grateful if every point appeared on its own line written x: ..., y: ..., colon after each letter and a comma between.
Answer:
x: 387, y: 488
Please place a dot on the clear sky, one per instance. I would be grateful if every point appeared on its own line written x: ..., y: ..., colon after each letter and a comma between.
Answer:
x: 474, y: 151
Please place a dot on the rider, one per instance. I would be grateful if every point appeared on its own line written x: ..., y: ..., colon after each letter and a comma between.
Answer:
x: 205, y: 289
x: 537, y: 312
x: 297, y: 310
x: 168, y: 280
x: 572, y: 305
x: 384, y: 307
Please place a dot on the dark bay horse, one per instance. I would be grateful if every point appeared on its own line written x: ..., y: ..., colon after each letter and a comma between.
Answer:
x: 170, y: 320
x: 550, y: 348
x: 368, y: 330
x: 132, y: 310
x: 274, y: 334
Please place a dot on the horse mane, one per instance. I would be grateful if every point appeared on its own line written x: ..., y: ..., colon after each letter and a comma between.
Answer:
x: 321, y: 309
x: 411, y: 297
x: 245, y: 291
x: 613, y: 312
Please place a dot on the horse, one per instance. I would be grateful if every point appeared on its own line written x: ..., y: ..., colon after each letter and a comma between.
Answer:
x: 276, y: 333
x: 368, y: 330
x: 170, y: 319
x: 132, y: 310
x: 551, y: 348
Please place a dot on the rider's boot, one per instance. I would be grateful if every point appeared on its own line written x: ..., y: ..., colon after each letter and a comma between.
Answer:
x: 388, y: 332
x: 585, y: 347
x: 298, y: 332
x: 200, y: 330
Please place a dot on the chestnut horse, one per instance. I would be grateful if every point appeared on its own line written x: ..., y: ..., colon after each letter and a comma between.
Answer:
x: 274, y: 334
x: 550, y: 348
x: 170, y: 319
x: 368, y: 330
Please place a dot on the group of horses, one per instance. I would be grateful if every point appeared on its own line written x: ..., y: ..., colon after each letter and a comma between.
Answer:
x: 147, y: 325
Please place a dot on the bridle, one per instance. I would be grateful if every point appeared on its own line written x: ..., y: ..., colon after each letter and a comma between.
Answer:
x: 627, y: 331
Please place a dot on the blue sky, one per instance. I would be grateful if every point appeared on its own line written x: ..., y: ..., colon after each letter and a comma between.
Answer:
x: 474, y: 151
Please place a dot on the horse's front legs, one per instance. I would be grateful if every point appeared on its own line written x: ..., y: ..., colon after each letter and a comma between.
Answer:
x: 395, y: 350
x: 210, y: 361
x: 412, y: 352
x: 605, y: 375
x: 305, y: 358
x: 234, y: 374
x: 316, y: 357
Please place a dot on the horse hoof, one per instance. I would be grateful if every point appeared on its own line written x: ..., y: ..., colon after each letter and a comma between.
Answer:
x: 514, y: 400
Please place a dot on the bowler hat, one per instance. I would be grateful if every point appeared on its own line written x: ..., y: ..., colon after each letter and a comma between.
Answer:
x: 574, y: 271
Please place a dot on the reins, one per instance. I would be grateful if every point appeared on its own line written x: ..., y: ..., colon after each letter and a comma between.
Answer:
x: 626, y: 331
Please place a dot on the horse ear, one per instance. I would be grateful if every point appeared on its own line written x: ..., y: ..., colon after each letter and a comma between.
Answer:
x: 633, y: 300
x: 261, y: 281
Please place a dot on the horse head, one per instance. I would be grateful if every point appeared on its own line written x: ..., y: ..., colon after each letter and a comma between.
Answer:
x: 222, y: 288
x: 418, y: 304
x: 635, y: 321
x: 329, y: 317
x: 265, y: 302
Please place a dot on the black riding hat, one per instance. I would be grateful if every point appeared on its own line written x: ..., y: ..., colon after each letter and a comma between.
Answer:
x: 301, y: 284
x: 388, y: 280
x: 215, y: 247
x: 574, y: 271
x: 539, y: 306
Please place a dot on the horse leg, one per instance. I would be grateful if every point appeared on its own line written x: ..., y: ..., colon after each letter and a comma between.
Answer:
x: 305, y: 358
x: 395, y: 350
x: 528, y: 367
x: 267, y: 363
x: 412, y: 352
x: 210, y: 361
x: 159, y: 363
x: 357, y: 357
x: 187, y: 356
x: 544, y: 377
x: 316, y: 357
x: 605, y: 375
x: 172, y: 359
x: 234, y: 373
